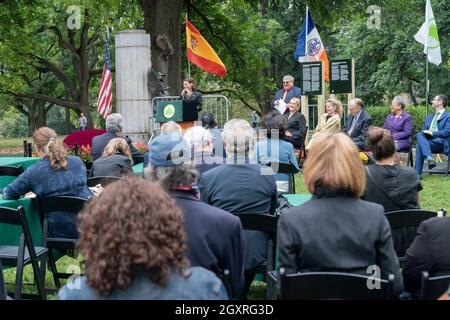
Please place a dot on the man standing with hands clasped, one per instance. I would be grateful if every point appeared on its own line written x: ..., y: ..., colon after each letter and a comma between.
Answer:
x: 82, y: 122
x: 434, y: 137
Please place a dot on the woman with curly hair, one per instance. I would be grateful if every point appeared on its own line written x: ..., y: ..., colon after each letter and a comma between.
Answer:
x: 57, y: 174
x: 134, y: 247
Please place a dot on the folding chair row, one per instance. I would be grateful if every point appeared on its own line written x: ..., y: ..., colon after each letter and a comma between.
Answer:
x: 433, y: 287
x: 331, y: 286
x: 103, y: 180
x: 58, y: 204
x: 403, y: 219
x: 23, y: 254
x: 265, y: 223
x: 11, y: 171
x: 3, y: 295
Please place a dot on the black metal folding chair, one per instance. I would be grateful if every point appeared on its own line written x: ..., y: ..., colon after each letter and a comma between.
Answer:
x: 433, y: 287
x: 23, y: 254
x: 287, y: 168
x: 403, y: 219
x: 11, y: 171
x: 103, y: 180
x: 3, y: 295
x: 334, y: 286
x: 54, y: 205
x: 266, y: 223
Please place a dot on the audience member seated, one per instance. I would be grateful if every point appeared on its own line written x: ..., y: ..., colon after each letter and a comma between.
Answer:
x: 140, y: 255
x: 400, y: 124
x: 434, y: 136
x: 296, y: 124
x: 288, y: 91
x: 429, y: 252
x: 358, y: 123
x: 336, y: 231
x: 210, y: 124
x: 57, y: 174
x: 215, y: 237
x: 114, y: 128
x: 388, y: 183
x: 330, y: 121
x: 239, y: 187
x: 200, y: 144
x: 171, y: 127
x: 115, y: 161
x: 273, y: 149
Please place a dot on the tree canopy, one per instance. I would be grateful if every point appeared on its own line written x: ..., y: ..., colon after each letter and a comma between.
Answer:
x: 45, y: 63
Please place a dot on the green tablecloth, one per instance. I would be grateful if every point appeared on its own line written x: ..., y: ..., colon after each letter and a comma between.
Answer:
x: 15, y: 161
x: 137, y: 169
x: 9, y: 234
x: 297, y: 199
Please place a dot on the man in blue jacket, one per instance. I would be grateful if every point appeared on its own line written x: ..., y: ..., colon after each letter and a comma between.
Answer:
x: 434, y: 137
x: 288, y: 92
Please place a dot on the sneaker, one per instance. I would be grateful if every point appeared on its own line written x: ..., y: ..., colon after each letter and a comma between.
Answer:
x: 431, y: 164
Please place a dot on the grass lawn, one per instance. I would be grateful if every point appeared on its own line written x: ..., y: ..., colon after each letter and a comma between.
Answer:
x: 434, y: 196
x: 18, y: 142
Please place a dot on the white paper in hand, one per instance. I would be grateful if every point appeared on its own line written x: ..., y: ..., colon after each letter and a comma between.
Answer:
x: 281, y: 107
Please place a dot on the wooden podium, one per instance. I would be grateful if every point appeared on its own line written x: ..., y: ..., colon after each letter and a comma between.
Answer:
x: 178, y: 111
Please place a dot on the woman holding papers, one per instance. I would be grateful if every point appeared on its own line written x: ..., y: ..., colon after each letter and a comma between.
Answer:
x: 296, y: 124
x: 329, y: 121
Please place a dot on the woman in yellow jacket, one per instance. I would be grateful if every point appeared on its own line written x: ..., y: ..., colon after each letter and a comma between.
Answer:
x: 329, y: 121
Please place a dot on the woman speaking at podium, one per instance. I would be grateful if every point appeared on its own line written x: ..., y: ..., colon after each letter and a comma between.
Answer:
x: 192, y: 99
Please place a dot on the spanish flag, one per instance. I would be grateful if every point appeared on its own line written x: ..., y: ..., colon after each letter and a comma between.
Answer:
x: 200, y: 53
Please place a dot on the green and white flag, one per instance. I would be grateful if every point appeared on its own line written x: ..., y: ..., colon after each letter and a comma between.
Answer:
x: 428, y: 36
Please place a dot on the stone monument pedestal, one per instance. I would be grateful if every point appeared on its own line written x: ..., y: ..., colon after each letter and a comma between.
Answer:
x: 133, y: 98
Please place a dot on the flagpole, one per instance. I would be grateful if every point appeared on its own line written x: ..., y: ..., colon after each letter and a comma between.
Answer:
x: 189, y: 62
x: 306, y: 35
x: 427, y: 87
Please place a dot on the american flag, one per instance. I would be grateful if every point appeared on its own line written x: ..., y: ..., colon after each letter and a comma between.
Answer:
x: 105, y: 97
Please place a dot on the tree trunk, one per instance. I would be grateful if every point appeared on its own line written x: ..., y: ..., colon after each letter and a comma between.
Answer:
x: 68, y: 124
x: 266, y: 104
x: 164, y: 17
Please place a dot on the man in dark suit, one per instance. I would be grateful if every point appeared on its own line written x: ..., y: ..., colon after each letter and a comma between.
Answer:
x: 429, y: 252
x: 434, y: 136
x: 240, y: 187
x: 358, y: 123
x: 114, y: 127
x: 288, y: 92
x: 215, y: 239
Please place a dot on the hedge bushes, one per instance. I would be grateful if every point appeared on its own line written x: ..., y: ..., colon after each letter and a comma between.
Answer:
x: 379, y: 113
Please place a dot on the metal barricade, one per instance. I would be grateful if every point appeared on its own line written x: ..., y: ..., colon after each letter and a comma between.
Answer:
x: 218, y: 105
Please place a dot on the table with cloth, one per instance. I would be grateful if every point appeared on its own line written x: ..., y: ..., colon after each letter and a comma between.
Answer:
x: 25, y: 162
x: 137, y: 169
x: 9, y: 234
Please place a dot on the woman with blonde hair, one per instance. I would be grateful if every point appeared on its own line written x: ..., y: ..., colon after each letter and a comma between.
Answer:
x: 336, y: 231
x: 57, y: 174
x: 115, y: 161
x: 330, y: 121
x: 296, y: 124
